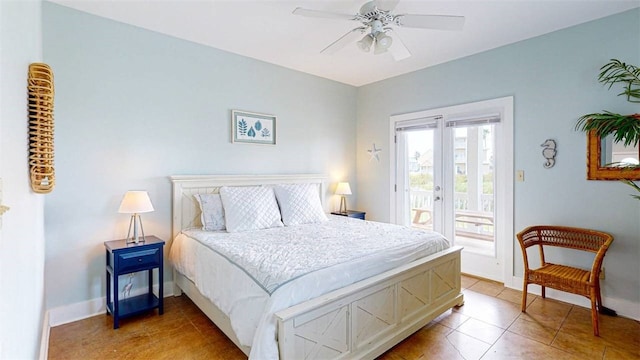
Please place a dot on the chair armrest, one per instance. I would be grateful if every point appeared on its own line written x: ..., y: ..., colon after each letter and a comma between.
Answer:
x: 524, y: 239
x: 598, y: 260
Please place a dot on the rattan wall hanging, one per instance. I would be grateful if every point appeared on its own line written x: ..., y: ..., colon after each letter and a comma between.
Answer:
x: 40, y: 86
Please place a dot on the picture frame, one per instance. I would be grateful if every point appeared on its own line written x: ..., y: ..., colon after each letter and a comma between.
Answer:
x: 253, y: 128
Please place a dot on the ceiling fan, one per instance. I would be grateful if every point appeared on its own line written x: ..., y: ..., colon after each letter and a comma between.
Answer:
x: 377, y: 24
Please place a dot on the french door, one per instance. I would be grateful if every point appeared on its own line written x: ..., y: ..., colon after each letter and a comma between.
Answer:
x: 453, y: 174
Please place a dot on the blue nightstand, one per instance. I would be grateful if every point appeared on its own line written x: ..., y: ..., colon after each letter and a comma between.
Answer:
x: 352, y: 214
x: 123, y: 258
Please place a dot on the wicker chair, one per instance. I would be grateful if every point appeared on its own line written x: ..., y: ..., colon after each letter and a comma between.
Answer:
x: 562, y: 277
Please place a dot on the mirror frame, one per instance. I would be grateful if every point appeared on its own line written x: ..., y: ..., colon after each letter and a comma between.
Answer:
x: 597, y: 172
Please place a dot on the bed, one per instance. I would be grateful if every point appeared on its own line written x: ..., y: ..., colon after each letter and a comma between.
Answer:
x: 363, y: 310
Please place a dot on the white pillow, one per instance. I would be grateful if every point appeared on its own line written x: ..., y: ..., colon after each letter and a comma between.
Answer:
x: 300, y: 204
x: 212, y: 214
x: 249, y: 208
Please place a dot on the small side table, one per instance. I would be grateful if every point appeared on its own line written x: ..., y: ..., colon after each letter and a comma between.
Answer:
x: 352, y: 214
x: 123, y: 258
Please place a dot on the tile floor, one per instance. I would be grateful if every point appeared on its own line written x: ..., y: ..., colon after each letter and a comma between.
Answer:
x: 489, y: 326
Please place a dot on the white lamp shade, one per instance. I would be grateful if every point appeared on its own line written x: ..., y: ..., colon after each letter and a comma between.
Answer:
x: 343, y: 188
x: 365, y: 43
x: 135, y: 202
x: 383, y: 42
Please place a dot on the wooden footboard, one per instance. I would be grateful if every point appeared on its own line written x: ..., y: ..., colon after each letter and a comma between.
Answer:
x: 362, y: 320
x: 367, y: 318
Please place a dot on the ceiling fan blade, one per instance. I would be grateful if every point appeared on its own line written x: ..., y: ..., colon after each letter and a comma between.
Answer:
x: 386, y: 5
x: 322, y: 14
x: 347, y: 38
x: 436, y: 22
x: 398, y: 49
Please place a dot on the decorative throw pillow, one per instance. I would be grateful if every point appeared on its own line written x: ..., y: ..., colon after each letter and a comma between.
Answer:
x: 249, y: 208
x: 212, y: 214
x: 300, y: 204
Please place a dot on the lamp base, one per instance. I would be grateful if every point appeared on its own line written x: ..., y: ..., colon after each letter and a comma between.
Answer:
x: 135, y: 239
x: 131, y: 240
x: 343, y: 205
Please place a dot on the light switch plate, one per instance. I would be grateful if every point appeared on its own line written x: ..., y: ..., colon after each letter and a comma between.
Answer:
x: 520, y: 175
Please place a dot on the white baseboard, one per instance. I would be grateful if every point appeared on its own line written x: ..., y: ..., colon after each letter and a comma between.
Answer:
x: 44, y: 338
x: 77, y: 311
x: 84, y: 309
x: 623, y: 307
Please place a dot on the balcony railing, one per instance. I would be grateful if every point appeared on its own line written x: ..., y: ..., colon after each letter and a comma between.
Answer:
x: 474, y: 223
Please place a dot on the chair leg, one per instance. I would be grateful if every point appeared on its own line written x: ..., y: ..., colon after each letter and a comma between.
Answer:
x: 543, y: 292
x: 594, y: 313
x: 601, y: 308
x: 525, y: 289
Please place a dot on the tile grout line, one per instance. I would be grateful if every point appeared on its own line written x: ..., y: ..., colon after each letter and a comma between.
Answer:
x: 455, y: 347
x: 561, y: 324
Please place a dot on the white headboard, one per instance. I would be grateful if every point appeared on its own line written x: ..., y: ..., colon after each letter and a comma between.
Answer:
x: 185, y: 209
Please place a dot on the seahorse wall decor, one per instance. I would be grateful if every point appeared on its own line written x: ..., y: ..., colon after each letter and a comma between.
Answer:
x: 549, y: 152
x: 41, y: 92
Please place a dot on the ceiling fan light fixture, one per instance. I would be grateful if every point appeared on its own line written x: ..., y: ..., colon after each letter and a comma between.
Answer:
x: 383, y: 42
x: 377, y: 50
x: 377, y: 19
x: 365, y: 43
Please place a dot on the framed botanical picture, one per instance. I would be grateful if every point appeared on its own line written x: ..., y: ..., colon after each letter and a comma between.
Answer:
x: 247, y: 127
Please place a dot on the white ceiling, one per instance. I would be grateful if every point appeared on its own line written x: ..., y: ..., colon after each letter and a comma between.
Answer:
x: 268, y: 31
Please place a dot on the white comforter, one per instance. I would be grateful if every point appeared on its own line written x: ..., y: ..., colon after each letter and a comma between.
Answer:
x: 252, y: 275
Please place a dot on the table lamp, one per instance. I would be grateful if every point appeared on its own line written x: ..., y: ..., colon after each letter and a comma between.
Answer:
x: 343, y: 189
x: 135, y: 203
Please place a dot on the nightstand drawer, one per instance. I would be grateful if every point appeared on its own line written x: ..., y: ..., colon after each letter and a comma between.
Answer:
x: 139, y: 260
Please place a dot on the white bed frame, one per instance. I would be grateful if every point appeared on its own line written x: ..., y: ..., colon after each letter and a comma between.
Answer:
x: 361, y: 320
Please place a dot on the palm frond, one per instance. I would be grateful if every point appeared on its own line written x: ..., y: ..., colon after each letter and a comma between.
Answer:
x: 615, y: 71
x: 625, y: 128
x: 633, y: 185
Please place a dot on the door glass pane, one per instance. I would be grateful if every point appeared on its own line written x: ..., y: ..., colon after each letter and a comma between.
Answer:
x: 421, y: 177
x: 473, y: 168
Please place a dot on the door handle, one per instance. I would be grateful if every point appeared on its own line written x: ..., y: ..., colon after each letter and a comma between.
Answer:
x: 437, y: 198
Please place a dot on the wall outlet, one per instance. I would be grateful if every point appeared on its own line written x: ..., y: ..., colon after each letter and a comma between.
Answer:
x: 602, y: 274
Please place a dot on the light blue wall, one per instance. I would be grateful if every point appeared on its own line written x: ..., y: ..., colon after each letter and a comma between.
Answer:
x: 553, y: 79
x: 22, y: 240
x: 134, y: 106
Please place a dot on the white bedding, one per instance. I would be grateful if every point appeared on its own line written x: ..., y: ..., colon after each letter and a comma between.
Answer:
x: 251, y: 275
